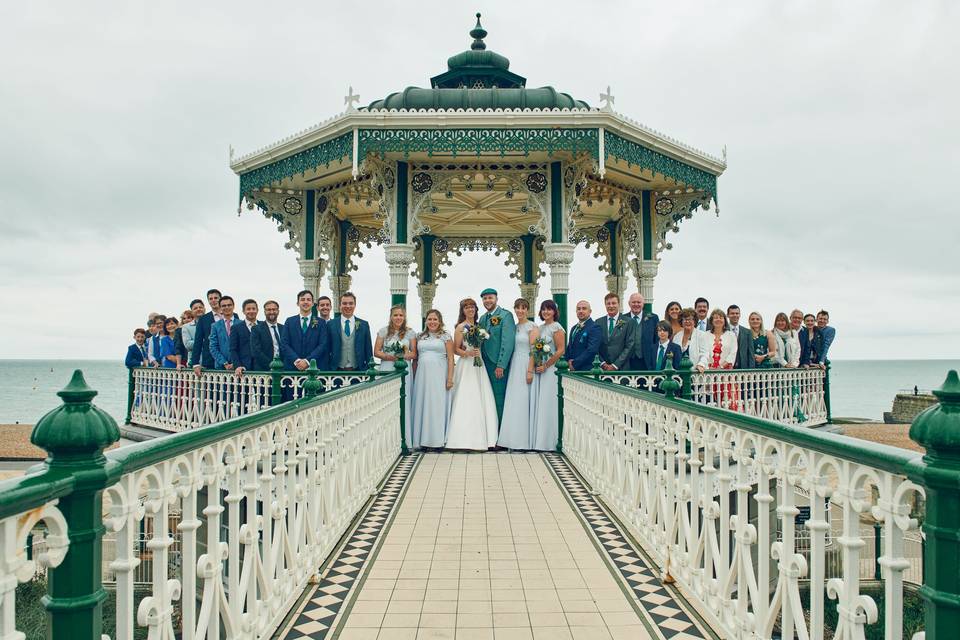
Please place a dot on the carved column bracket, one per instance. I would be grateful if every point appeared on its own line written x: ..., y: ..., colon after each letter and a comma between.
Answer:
x: 559, y: 256
x: 427, y: 292
x: 646, y: 272
x: 617, y: 285
x: 312, y: 271
x: 399, y: 258
x: 338, y: 286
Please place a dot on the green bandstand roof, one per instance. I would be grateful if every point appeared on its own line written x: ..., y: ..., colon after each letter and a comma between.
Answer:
x: 478, y: 79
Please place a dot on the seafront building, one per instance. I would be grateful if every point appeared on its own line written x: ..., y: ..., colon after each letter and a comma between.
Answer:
x: 677, y: 504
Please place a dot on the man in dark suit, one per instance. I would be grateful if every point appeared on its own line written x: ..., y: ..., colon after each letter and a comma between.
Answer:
x: 305, y: 337
x: 350, y: 345
x: 644, y: 334
x: 616, y: 336
x: 584, y: 342
x: 240, y: 353
x: 745, y: 359
x: 201, y: 340
x: 265, y: 337
x: 137, y: 352
x: 827, y: 335
x: 666, y: 350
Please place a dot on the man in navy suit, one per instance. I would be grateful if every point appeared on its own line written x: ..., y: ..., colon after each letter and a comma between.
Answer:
x: 137, y: 352
x: 666, y: 350
x: 305, y: 338
x: 241, y: 354
x: 827, y: 334
x: 350, y: 345
x: 201, y: 340
x: 324, y: 308
x: 644, y: 334
x: 220, y: 336
x: 584, y: 342
x: 265, y: 337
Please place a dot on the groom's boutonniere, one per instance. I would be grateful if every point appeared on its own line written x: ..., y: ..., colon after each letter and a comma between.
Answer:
x: 495, y: 321
x: 314, y: 322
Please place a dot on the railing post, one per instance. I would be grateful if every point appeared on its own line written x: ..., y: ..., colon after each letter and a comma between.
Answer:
x: 938, y: 430
x: 74, y: 436
x: 371, y: 369
x: 311, y: 387
x: 129, y: 416
x: 276, y: 381
x: 595, y: 369
x: 826, y: 390
x: 562, y: 367
x: 401, y: 367
x: 669, y: 386
x: 686, y: 388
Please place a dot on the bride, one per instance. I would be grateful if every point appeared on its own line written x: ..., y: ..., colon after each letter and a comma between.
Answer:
x: 473, y: 414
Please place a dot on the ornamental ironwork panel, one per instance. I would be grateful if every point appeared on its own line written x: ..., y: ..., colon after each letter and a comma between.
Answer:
x: 636, y: 154
x: 322, y: 154
x: 477, y: 141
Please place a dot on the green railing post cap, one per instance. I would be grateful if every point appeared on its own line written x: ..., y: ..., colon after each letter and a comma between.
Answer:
x: 400, y: 365
x: 937, y: 429
x: 276, y: 364
x: 77, y: 428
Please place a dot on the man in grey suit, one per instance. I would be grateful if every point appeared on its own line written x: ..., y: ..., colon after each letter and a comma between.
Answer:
x: 744, y: 340
x: 617, y: 335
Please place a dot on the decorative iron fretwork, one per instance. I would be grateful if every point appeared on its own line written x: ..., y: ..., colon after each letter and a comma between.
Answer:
x: 478, y: 141
x: 664, y: 206
x: 389, y: 178
x: 323, y: 154
x: 293, y: 206
x: 634, y: 205
x: 569, y: 175
x: 636, y: 154
x: 515, y: 245
x: 421, y: 182
x: 322, y: 203
x: 682, y: 206
x: 537, y: 182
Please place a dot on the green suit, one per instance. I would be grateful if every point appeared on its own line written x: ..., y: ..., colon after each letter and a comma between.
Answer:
x: 497, y: 351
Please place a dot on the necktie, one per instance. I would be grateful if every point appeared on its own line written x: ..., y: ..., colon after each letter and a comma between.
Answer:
x: 303, y: 324
x: 636, y: 319
x: 660, y: 358
x: 228, y: 325
x: 610, y: 325
x: 276, y: 341
x: 346, y: 328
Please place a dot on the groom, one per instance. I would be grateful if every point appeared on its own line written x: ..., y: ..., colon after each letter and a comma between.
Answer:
x: 498, y: 348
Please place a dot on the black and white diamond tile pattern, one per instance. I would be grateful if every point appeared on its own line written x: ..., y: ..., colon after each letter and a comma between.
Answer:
x: 660, y: 603
x: 319, y: 613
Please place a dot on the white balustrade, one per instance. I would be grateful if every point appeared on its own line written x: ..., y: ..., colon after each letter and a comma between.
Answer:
x: 713, y: 498
x: 647, y: 381
x: 256, y: 511
x: 15, y: 565
x: 787, y: 396
x: 179, y: 399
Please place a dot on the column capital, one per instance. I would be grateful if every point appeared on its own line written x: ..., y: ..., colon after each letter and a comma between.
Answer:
x: 399, y: 257
x: 558, y: 253
x: 427, y: 292
x: 312, y: 270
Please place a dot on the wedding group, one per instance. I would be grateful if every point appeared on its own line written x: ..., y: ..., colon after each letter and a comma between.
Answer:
x: 489, y: 381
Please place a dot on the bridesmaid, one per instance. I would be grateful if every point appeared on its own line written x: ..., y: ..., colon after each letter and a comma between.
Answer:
x: 518, y: 405
x: 397, y: 332
x: 431, y: 393
x: 544, y: 423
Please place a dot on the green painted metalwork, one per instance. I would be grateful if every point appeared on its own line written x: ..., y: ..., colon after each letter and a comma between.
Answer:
x: 686, y: 390
x: 478, y: 141
x: 937, y: 430
x: 528, y: 274
x: 311, y: 387
x: 561, y: 300
x: 276, y: 379
x: 310, y: 225
x: 398, y: 299
x: 634, y: 153
x: 612, y: 245
x: 562, y: 368
x: 556, y: 202
x: 479, y: 98
x: 323, y: 154
x: 646, y: 218
x: 826, y: 391
x: 343, y: 229
x: 126, y: 419
x: 400, y: 365
x: 402, y: 207
x: 75, y: 435
x: 426, y: 273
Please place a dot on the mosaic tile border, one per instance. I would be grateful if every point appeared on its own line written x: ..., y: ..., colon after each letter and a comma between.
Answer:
x: 320, y: 612
x: 662, y: 605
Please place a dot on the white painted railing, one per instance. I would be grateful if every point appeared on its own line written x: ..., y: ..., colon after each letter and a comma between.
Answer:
x: 787, y: 396
x: 262, y: 501
x: 179, y: 399
x: 713, y: 497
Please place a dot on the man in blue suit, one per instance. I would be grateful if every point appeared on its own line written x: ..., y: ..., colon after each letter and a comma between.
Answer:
x: 265, y: 337
x: 642, y: 354
x: 220, y: 335
x: 137, y: 352
x: 305, y: 337
x: 666, y: 350
x: 241, y: 354
x: 584, y: 342
x: 350, y: 345
x: 201, y: 340
x: 827, y: 334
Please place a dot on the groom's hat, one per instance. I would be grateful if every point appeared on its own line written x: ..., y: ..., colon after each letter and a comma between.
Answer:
x: 488, y: 292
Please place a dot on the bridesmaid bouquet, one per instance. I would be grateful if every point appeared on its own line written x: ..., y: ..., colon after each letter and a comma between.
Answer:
x: 540, y: 351
x: 475, y: 336
x: 396, y: 349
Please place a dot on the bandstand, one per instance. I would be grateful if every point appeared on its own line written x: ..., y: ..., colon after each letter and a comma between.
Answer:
x: 478, y: 161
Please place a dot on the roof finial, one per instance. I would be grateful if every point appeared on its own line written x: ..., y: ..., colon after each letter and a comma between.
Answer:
x: 478, y: 33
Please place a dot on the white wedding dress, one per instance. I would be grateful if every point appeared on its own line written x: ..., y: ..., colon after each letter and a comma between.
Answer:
x: 473, y: 420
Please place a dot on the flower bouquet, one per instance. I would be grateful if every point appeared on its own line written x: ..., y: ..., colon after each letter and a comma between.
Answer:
x: 395, y: 349
x: 475, y: 336
x: 540, y: 350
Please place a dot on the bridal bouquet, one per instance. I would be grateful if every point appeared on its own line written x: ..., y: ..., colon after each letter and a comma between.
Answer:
x: 475, y: 336
x: 540, y: 351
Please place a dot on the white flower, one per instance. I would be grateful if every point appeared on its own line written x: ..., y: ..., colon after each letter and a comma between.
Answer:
x: 546, y: 348
x: 466, y: 329
x: 484, y: 334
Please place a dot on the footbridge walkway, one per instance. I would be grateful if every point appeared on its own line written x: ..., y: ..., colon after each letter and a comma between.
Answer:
x: 660, y: 515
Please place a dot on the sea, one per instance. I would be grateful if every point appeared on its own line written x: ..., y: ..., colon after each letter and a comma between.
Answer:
x: 859, y: 388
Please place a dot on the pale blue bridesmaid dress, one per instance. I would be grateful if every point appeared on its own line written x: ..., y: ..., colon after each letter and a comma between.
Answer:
x: 390, y: 365
x: 519, y: 402
x: 431, y: 400
x: 545, y: 429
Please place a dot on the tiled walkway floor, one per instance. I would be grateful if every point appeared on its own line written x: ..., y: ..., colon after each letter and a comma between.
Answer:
x: 487, y: 546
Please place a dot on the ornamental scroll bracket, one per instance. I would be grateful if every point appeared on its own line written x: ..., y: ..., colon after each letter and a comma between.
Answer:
x: 383, y: 181
x: 672, y: 207
x: 285, y: 207
x: 444, y: 248
x: 575, y: 176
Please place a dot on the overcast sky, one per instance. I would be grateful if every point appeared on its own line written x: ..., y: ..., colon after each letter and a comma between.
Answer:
x: 841, y: 122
